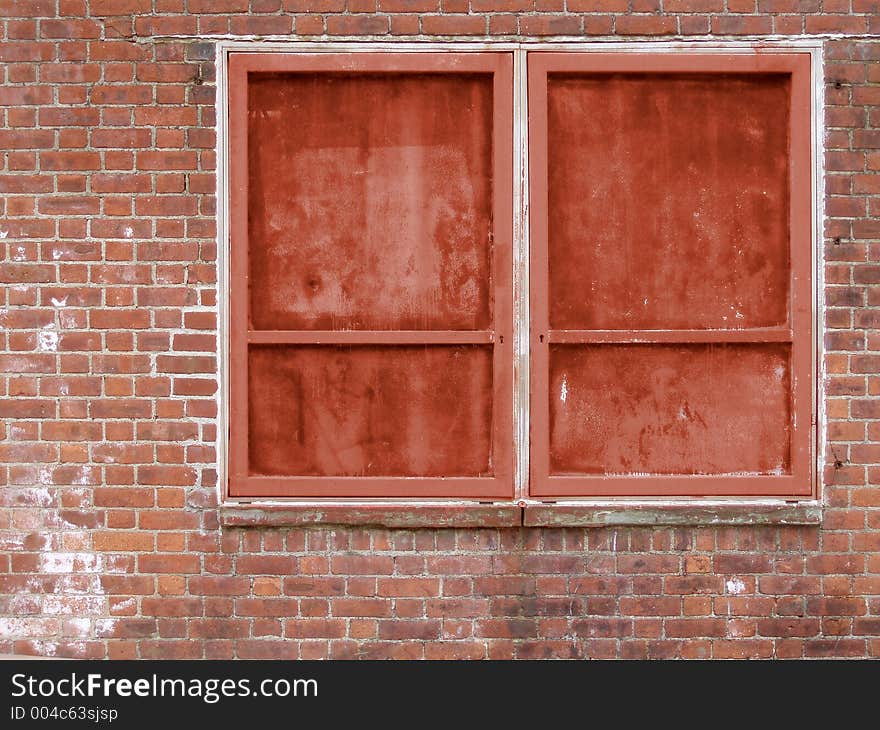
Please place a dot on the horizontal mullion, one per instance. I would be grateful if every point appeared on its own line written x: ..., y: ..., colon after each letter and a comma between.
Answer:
x: 669, y: 485
x: 758, y: 334
x: 370, y: 337
x: 388, y: 487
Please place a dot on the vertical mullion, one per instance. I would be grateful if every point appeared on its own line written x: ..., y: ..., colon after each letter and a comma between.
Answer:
x: 503, y: 94
x: 521, y: 272
x: 238, y: 274
x: 801, y: 243
x: 539, y: 414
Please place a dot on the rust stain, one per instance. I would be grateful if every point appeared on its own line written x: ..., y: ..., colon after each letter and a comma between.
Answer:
x: 669, y: 200
x: 370, y: 201
x: 670, y: 409
x: 370, y: 410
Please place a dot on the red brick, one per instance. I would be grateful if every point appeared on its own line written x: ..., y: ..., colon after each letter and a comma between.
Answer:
x: 168, y: 563
x: 645, y: 25
x: 310, y: 628
x: 113, y: 541
x: 788, y: 627
x: 693, y: 6
x: 266, y: 565
x: 362, y: 565
x: 841, y: 648
x: 219, y: 585
x: 28, y: 8
x: 686, y: 628
x: 265, y: 607
x: 27, y: 139
x: 453, y: 25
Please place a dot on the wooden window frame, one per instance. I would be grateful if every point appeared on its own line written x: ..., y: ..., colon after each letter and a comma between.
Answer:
x: 798, y: 332
x: 519, y: 504
x: 500, y: 337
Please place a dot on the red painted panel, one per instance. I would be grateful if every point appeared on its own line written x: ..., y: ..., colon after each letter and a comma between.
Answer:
x: 370, y: 200
x: 370, y: 411
x: 668, y: 200
x: 670, y: 409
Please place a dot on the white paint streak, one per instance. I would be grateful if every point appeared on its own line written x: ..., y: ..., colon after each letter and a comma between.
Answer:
x: 20, y: 254
x: 68, y: 320
x: 54, y: 562
x: 563, y: 391
x: 126, y: 604
x: 80, y: 626
x: 47, y: 339
x: 59, y: 302
x: 64, y: 524
x: 735, y: 586
x: 45, y: 648
x: 44, y: 496
x: 19, y: 433
x: 735, y: 631
x: 128, y: 231
x: 3, y: 234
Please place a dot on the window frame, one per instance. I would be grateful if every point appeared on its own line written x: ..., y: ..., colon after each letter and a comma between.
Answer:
x: 500, y: 337
x: 799, y: 330
x: 553, y: 509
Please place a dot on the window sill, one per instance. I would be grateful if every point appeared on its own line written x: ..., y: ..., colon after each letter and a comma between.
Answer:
x: 397, y: 514
x: 694, y: 513
x: 606, y: 513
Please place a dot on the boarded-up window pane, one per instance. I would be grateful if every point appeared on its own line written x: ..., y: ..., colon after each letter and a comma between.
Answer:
x: 370, y: 201
x: 670, y: 409
x: 371, y: 411
x: 670, y: 204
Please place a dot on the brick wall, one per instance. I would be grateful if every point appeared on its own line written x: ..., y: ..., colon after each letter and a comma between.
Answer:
x: 109, y: 536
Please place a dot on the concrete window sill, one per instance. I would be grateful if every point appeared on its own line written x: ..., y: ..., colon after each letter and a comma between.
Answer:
x: 531, y: 514
x: 692, y: 512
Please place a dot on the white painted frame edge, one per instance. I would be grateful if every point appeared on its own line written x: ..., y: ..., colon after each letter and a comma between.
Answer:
x: 778, y: 44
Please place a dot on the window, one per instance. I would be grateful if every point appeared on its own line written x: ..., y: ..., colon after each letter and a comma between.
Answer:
x: 376, y: 239
x: 671, y: 269
x: 371, y: 275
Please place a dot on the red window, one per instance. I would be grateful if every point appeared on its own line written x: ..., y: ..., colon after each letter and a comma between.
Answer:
x: 671, y: 259
x: 370, y: 312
